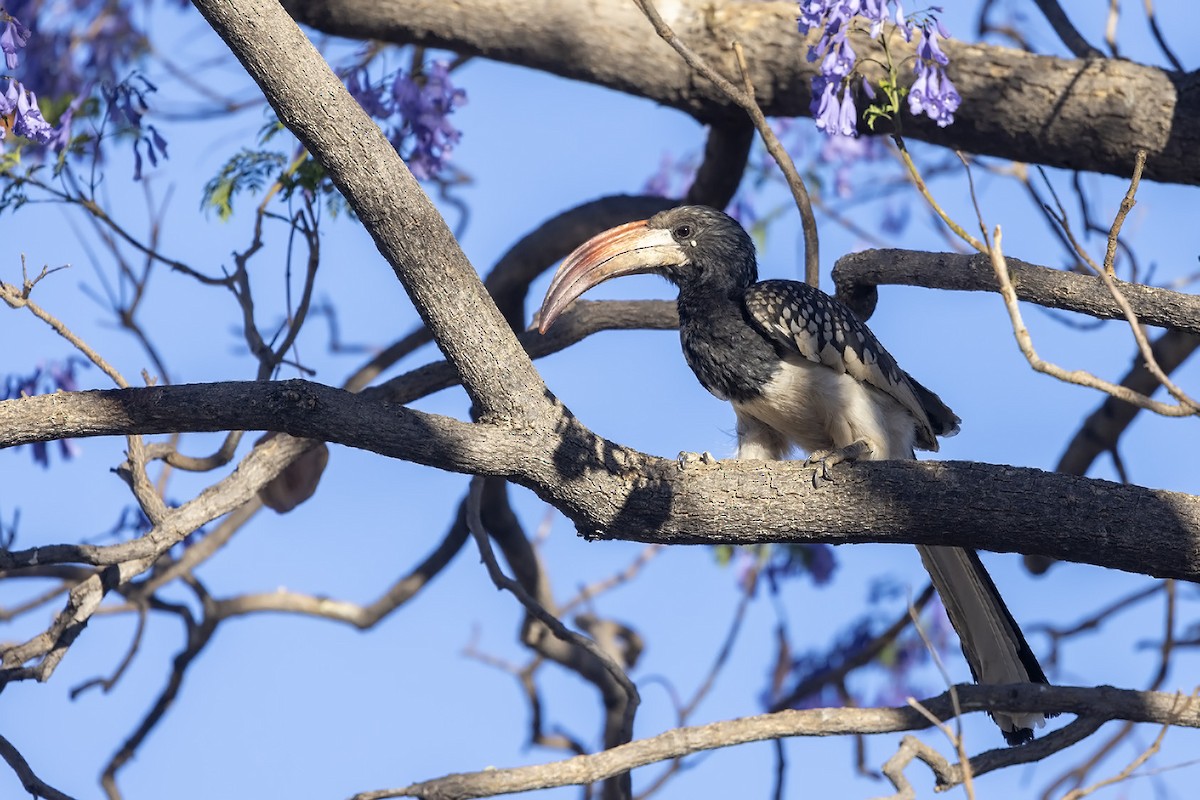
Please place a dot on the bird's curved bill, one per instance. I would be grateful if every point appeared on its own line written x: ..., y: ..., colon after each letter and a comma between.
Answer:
x: 627, y: 249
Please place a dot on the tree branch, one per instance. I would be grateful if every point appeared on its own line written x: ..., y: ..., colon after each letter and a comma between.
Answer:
x: 1066, y: 31
x: 856, y: 275
x: 406, y: 227
x: 1016, y: 105
x: 1104, y: 703
x: 611, y: 491
x: 1102, y: 429
x: 32, y: 783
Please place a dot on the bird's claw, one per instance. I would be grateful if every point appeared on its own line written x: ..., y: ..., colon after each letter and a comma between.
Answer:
x: 824, y: 460
x: 687, y: 459
x: 821, y: 461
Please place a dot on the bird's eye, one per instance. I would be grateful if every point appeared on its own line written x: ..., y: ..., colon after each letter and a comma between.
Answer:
x: 682, y: 232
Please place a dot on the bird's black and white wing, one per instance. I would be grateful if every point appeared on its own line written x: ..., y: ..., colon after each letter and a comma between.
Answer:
x: 807, y: 322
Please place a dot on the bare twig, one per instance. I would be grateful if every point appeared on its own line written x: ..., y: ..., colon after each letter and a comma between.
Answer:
x: 954, y: 736
x: 362, y: 617
x: 1110, y: 27
x: 1066, y: 30
x: 1143, y: 757
x: 19, y: 298
x: 1102, y: 429
x: 106, y: 684
x: 586, y: 593
x: 1078, y: 774
x: 198, y: 635
x: 36, y: 601
x: 32, y: 783
x: 536, y: 610
x: 1078, y: 377
x: 919, y: 183
x: 1159, y: 39
x: 684, y: 711
x: 1117, y: 294
x: 1107, y: 703
x: 745, y: 99
x: 1094, y: 620
x: 1127, y: 203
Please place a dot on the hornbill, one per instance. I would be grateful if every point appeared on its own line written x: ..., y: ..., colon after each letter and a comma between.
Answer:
x: 801, y: 369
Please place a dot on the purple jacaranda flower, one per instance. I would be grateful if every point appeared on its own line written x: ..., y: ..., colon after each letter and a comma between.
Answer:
x: 62, y: 131
x: 127, y: 104
x: 13, y: 37
x: 8, y: 101
x: 933, y: 94
x: 826, y: 108
x: 368, y: 96
x: 815, y: 560
x: 156, y: 139
x: 424, y: 105
x: 812, y: 14
x: 929, y: 49
x: 833, y: 104
x: 834, y: 114
x: 29, y: 121
x: 832, y: 15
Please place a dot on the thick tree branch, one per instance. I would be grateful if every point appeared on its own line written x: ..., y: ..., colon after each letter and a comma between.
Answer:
x: 406, y: 227
x: 614, y: 492
x: 856, y: 275
x: 1089, y: 115
x: 1101, y: 703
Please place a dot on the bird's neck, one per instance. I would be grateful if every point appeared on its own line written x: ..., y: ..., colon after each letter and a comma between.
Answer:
x: 728, y: 356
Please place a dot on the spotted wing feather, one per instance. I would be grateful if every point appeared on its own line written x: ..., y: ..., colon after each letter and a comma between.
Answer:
x: 806, y: 321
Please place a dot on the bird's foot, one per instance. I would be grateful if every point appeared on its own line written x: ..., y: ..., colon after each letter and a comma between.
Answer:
x: 824, y: 460
x: 687, y: 459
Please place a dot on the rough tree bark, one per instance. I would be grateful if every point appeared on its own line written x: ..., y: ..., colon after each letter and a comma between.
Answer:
x: 1082, y: 114
x: 612, y: 491
x: 1090, y: 115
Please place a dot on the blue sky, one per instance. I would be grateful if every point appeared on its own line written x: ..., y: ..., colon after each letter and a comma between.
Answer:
x: 306, y: 708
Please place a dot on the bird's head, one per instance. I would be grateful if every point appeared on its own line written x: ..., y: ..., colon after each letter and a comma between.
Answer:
x: 697, y: 248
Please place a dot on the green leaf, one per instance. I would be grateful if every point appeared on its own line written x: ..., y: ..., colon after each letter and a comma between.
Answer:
x: 248, y: 171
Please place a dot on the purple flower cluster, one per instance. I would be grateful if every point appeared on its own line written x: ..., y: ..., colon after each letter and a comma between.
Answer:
x: 815, y: 560
x: 833, y: 104
x: 17, y: 101
x: 932, y: 92
x: 70, y: 55
x: 127, y: 104
x: 13, y: 37
x: 65, y: 63
x: 417, y: 107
